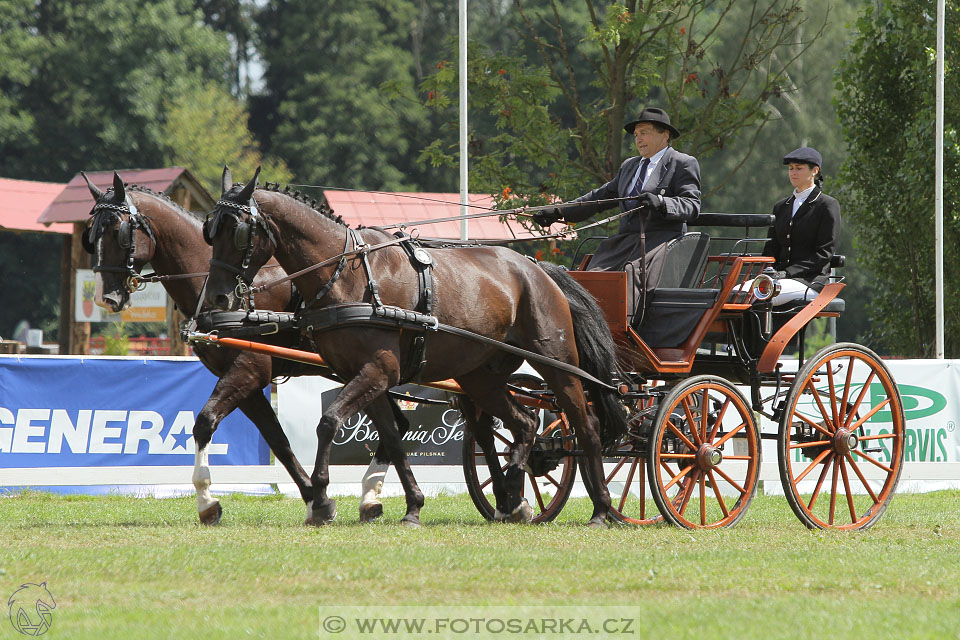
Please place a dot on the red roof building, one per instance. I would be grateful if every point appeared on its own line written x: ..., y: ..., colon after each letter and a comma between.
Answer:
x: 74, y: 203
x: 378, y: 209
x: 22, y: 202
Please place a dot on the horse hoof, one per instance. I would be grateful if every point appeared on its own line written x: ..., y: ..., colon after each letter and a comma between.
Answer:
x: 211, y: 515
x: 499, y: 516
x: 324, y: 514
x: 598, y: 523
x: 370, y: 511
x: 523, y: 513
x: 411, y: 522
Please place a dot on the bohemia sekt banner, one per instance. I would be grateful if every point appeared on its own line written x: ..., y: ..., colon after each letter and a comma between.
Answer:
x: 87, y: 412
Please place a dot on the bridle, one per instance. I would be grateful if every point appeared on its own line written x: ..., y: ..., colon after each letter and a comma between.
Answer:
x: 244, y: 237
x: 126, y: 238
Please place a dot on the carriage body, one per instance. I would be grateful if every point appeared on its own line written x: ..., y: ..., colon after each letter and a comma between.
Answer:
x: 695, y: 434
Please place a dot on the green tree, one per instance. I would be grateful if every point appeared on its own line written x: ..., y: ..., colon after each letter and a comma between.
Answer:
x: 323, y: 109
x: 207, y: 129
x: 100, y: 73
x: 558, y: 110
x: 886, y: 106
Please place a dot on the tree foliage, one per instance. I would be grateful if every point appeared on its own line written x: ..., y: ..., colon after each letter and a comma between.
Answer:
x: 557, y: 103
x: 207, y: 129
x: 886, y: 105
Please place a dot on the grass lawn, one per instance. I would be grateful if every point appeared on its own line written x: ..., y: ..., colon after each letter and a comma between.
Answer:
x: 144, y: 568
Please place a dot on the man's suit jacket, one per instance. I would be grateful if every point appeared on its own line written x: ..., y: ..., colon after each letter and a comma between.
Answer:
x: 676, y: 179
x: 803, y: 244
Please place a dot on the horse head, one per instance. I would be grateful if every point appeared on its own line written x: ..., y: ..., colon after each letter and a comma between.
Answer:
x: 111, y: 236
x: 243, y: 240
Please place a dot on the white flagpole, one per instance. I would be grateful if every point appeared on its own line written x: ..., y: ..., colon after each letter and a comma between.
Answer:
x: 464, y: 183
x: 938, y: 197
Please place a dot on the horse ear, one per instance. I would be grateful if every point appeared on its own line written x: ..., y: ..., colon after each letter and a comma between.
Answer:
x: 226, y: 181
x: 118, y: 191
x: 96, y: 193
x: 247, y: 192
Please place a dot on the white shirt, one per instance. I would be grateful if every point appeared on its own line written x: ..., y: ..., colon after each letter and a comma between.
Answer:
x: 650, y: 166
x: 800, y: 198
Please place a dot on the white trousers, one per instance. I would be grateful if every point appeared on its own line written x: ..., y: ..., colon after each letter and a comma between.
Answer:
x: 792, y: 290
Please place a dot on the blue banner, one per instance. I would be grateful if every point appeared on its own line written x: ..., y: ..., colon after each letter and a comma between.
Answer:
x: 89, y: 412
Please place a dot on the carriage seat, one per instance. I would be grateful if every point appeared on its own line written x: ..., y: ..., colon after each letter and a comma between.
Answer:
x: 675, y: 307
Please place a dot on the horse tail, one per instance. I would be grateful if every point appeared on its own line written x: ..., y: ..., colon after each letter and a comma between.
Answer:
x: 597, y: 351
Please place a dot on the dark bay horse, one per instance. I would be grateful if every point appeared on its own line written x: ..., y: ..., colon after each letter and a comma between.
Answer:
x: 493, y: 292
x: 131, y: 226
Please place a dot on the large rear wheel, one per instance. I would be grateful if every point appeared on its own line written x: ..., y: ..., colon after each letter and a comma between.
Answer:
x: 704, y: 460
x: 550, y: 472
x: 841, y: 439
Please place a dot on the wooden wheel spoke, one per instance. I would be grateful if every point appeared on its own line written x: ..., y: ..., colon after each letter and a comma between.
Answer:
x: 813, y: 424
x: 846, y: 391
x: 704, y: 410
x: 677, y: 477
x: 692, y: 421
x: 730, y: 481
x: 536, y: 492
x: 615, y: 470
x: 486, y: 482
x: 873, y: 411
x: 676, y: 456
x: 502, y: 438
x: 818, y: 443
x: 872, y: 461
x: 860, y: 397
x: 680, y: 435
x: 823, y: 410
x: 730, y: 434
x: 737, y: 458
x: 833, y: 492
x: 702, y: 481
x: 551, y: 480
x: 856, y: 470
x: 719, y: 421
x: 813, y: 464
x: 687, y: 493
x: 626, y: 485
x: 716, y: 491
x: 881, y: 436
x: 833, y: 393
x: 816, y: 490
x: 846, y: 487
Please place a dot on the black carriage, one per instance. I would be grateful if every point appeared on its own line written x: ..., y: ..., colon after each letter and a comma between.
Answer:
x: 692, y: 454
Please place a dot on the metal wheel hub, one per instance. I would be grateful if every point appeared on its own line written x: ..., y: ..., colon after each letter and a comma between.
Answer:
x: 845, y: 441
x: 708, y: 457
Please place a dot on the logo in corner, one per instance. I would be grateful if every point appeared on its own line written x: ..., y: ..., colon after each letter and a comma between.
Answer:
x: 31, y: 609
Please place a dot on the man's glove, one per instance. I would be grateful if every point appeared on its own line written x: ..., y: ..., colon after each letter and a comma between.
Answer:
x: 773, y: 273
x: 547, y: 218
x: 649, y: 203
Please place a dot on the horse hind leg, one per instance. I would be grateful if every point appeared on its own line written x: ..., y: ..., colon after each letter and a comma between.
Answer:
x: 481, y: 425
x: 391, y: 445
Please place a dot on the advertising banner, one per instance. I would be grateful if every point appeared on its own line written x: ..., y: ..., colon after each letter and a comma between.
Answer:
x: 146, y: 305
x: 101, y: 411
x: 435, y: 435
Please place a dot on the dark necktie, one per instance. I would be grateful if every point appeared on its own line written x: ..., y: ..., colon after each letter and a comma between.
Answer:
x: 640, y: 176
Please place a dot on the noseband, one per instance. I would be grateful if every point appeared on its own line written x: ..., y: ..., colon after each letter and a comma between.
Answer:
x: 126, y: 238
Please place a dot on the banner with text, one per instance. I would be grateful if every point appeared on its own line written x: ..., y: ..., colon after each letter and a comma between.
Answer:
x: 88, y: 412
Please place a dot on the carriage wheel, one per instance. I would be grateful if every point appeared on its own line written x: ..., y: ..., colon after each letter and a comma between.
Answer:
x: 704, y: 454
x: 625, y: 474
x: 833, y: 442
x: 546, y: 485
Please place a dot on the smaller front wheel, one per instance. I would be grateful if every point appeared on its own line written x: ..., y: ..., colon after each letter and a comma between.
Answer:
x: 704, y: 460
x: 550, y: 472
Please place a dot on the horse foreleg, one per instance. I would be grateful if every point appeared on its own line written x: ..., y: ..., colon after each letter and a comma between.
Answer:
x: 208, y: 507
x: 481, y: 425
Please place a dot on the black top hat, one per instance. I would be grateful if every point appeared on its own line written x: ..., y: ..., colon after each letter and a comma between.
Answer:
x: 654, y: 116
x: 804, y: 154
